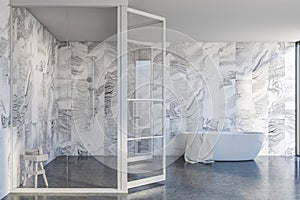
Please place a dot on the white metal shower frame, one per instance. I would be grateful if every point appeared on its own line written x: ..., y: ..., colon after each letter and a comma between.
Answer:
x: 122, y: 10
x: 162, y: 177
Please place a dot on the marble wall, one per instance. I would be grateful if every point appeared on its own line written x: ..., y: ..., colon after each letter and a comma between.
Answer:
x: 236, y: 86
x: 34, y: 105
x: 87, y: 98
x: 256, y: 91
x: 4, y: 97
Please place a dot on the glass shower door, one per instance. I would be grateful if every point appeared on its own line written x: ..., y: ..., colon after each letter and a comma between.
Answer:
x: 146, y: 135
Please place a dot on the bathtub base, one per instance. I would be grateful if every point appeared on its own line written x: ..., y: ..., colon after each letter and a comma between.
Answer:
x: 236, y: 146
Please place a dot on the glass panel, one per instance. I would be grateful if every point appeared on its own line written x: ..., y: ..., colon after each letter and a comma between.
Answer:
x: 139, y: 119
x: 65, y: 93
x: 145, y: 158
x: 143, y: 79
x: 157, y: 116
x: 157, y: 63
x: 145, y: 98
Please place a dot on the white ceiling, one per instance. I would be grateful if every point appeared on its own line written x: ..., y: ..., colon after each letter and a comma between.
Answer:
x: 78, y: 24
x: 202, y: 20
x: 229, y: 20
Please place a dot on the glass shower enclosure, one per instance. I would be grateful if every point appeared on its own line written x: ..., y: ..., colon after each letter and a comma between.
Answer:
x: 88, y: 102
x: 146, y: 57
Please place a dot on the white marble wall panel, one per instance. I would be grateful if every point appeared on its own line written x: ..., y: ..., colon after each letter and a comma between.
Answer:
x: 63, y: 59
x: 4, y: 97
x: 195, y: 83
x: 260, y: 72
x: 243, y: 73
x: 33, y: 78
x: 228, y: 68
x: 257, y: 80
x: 111, y: 100
x: 5, y: 164
x: 276, y: 136
x: 244, y: 105
x: 158, y: 78
x: 261, y: 62
x: 18, y: 142
x: 177, y: 91
x: 290, y: 119
x: 276, y: 99
x: 290, y: 123
x: 4, y: 64
x: 87, y: 98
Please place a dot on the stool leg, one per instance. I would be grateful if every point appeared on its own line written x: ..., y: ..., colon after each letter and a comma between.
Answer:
x: 35, y: 176
x: 27, y: 168
x: 44, y: 174
x: 25, y: 180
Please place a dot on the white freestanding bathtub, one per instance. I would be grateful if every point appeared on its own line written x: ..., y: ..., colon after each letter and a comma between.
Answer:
x: 237, y: 146
x: 232, y: 146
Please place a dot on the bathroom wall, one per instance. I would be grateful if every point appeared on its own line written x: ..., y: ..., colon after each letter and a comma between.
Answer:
x: 34, y: 97
x: 258, y: 83
x: 87, y: 79
x: 256, y: 79
x: 4, y: 98
x: 87, y: 98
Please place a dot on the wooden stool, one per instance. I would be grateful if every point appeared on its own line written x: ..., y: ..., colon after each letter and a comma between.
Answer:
x: 32, y: 169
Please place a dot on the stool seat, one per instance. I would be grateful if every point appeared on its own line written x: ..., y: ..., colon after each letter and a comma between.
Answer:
x: 38, y: 172
x: 36, y: 159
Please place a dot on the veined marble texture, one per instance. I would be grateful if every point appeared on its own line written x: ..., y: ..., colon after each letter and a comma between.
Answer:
x: 258, y: 83
x: 34, y: 100
x: 5, y: 139
x: 4, y: 65
x: 87, y: 98
x: 176, y: 93
x: 255, y: 77
x: 87, y: 95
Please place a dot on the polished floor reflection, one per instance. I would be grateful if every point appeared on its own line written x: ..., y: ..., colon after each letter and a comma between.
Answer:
x: 264, y: 178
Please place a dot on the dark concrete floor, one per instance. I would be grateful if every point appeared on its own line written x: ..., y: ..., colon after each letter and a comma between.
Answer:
x: 79, y: 172
x: 265, y: 178
x: 92, y: 172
